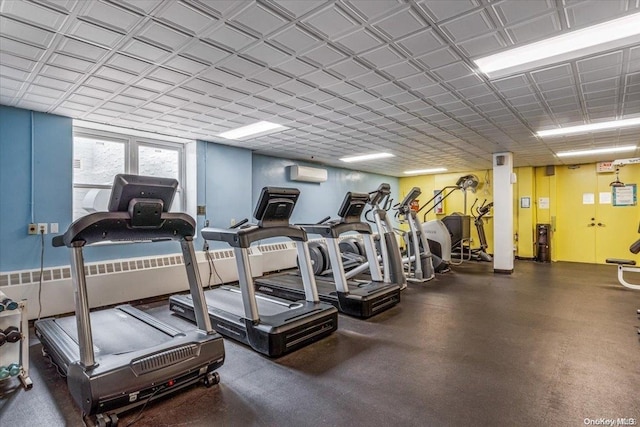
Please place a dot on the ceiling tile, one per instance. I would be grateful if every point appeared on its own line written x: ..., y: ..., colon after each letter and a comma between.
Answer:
x: 359, y: 41
x: 145, y: 51
x: 168, y: 76
x: 270, y: 77
x: 423, y: 42
x: 588, y: 12
x: 296, y: 39
x: 111, y: 16
x: 259, y: 19
x: 453, y: 71
x: 324, y: 55
x: 442, y: 10
x: 240, y: 66
x: 25, y: 32
x: 349, y: 68
x: 332, y: 22
x: 17, y: 62
x: 95, y: 34
x: 372, y: 9
x: 204, y: 52
x: 535, y: 29
x: 368, y: 80
x: 382, y: 57
x: 267, y: 54
x: 34, y: 13
x: 230, y: 37
x: 401, y: 70
x: 163, y: 35
x: 298, y: 8
x: 128, y: 64
x: 516, y: 11
x: 400, y: 24
x: 296, y: 67
x: 185, y: 17
x: 186, y: 65
x: 482, y: 45
x: 468, y: 26
x: 438, y: 58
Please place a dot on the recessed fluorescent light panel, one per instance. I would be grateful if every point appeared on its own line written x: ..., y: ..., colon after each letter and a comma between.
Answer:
x: 614, y: 124
x: 575, y: 44
x: 597, y: 151
x: 425, y: 171
x: 366, y: 157
x: 255, y: 129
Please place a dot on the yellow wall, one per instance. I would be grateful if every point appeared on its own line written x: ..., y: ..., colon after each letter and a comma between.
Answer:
x: 454, y: 202
x: 525, y: 218
x: 611, y: 240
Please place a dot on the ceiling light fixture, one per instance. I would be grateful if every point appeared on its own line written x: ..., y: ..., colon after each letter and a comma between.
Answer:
x: 425, y: 171
x: 597, y: 151
x: 259, y: 128
x: 575, y: 44
x: 365, y: 157
x: 614, y: 124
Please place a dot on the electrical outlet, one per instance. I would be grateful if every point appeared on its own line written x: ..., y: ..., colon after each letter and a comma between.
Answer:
x: 42, y: 228
x: 233, y: 222
x: 32, y: 228
x: 53, y: 227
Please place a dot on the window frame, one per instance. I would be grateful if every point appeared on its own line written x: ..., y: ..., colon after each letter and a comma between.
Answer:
x: 131, y: 157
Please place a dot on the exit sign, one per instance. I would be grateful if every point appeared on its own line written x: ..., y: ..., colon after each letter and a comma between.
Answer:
x: 604, y: 167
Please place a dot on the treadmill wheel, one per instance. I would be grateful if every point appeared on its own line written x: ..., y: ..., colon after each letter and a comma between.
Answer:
x: 103, y: 420
x: 211, y: 379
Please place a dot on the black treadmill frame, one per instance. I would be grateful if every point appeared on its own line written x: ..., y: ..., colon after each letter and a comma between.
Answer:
x: 274, y: 335
x: 115, y: 383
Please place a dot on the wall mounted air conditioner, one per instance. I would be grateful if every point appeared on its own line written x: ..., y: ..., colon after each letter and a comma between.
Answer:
x: 307, y: 174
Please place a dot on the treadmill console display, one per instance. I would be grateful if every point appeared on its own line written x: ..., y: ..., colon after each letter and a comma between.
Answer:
x: 275, y: 205
x: 352, y: 207
x: 128, y: 187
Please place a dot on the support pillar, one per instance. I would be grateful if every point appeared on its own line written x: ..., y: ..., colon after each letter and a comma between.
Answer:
x: 503, y: 180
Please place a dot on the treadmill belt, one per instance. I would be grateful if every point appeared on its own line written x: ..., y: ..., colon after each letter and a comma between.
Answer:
x: 230, y: 300
x: 293, y: 281
x: 115, y: 332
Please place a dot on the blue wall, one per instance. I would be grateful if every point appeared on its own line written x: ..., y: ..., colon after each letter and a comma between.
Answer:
x: 224, y: 185
x: 316, y: 200
x: 52, y: 169
x: 229, y: 182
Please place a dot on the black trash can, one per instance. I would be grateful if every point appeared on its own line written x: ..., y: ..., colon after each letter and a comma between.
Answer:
x: 543, y: 242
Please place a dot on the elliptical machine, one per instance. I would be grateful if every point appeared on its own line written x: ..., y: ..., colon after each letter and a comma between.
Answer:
x: 439, y: 236
x: 480, y: 253
x: 419, y: 262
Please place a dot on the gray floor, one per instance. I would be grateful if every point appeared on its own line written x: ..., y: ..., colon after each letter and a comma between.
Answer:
x: 551, y: 344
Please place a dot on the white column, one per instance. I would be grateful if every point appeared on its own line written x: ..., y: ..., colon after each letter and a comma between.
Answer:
x: 503, y: 180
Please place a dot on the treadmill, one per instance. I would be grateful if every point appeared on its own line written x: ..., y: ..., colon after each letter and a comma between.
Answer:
x: 356, y: 298
x: 129, y: 358
x: 270, y: 325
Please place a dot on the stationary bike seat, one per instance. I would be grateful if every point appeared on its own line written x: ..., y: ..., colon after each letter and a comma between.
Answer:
x: 620, y: 261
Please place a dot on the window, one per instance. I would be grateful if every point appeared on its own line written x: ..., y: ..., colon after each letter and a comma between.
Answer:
x: 99, y: 155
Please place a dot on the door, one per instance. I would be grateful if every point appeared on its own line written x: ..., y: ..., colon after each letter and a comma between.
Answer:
x: 616, y: 226
x: 586, y: 229
x: 575, y: 231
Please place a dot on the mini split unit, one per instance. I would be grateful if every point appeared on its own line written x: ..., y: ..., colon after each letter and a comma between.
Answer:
x: 307, y: 174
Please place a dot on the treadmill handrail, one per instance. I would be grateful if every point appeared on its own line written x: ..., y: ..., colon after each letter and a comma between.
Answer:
x: 116, y: 227
x: 243, y: 237
x: 334, y: 230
